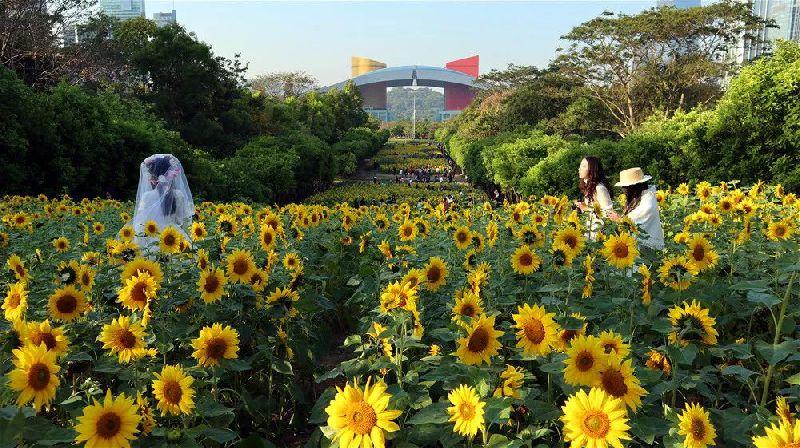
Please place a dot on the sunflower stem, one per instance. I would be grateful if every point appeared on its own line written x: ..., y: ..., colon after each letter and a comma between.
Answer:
x: 785, y: 304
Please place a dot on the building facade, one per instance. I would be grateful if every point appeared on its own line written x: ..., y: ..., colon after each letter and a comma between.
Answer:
x: 785, y: 15
x: 165, y: 18
x: 122, y: 9
x: 680, y: 4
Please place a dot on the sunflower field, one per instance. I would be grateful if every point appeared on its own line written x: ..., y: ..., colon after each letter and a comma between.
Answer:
x: 403, y: 325
x: 409, y: 155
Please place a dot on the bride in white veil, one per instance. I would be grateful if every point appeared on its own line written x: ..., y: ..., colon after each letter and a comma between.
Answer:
x: 163, y: 196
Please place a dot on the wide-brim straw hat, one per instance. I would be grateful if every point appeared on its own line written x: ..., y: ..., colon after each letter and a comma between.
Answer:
x: 632, y: 176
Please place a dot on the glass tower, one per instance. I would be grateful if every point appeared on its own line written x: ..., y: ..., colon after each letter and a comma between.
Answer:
x: 122, y: 9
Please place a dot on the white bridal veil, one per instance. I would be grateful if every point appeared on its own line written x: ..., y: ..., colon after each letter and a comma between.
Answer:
x: 163, y: 196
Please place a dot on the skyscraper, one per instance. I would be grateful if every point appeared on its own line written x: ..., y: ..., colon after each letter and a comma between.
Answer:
x: 786, y: 17
x: 122, y: 9
x: 165, y: 18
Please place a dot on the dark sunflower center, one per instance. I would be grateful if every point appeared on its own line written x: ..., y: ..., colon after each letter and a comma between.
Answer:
x: 216, y: 347
x: 67, y: 304
x: 169, y: 240
x: 614, y: 383
x: 173, y: 392
x: 38, y: 376
x: 699, y: 252
x: 780, y: 230
x: 698, y: 429
x: 240, y: 266
x: 212, y: 284
x: 691, y: 328
x: 571, y: 241
x: 267, y: 238
x: 138, y: 293
x: 14, y: 300
x: 467, y: 310
x: 525, y: 259
x: 461, y: 237
x: 108, y: 425
x: 126, y: 339
x: 534, y: 331
x: 67, y: 275
x: 48, y: 339
x: 478, y: 341
x: 621, y: 250
x: 584, y: 361
x: 433, y: 274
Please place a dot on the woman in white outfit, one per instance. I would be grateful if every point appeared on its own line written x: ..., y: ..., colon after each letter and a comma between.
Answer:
x: 642, y: 207
x: 596, y: 192
x: 163, y: 197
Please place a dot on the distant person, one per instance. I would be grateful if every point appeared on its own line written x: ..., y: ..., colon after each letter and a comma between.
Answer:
x: 163, y: 197
x: 596, y: 192
x: 641, y: 207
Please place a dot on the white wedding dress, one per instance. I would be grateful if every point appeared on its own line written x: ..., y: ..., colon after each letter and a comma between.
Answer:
x: 163, y: 196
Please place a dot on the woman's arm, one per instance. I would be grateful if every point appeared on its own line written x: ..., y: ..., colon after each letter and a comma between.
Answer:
x: 603, y: 198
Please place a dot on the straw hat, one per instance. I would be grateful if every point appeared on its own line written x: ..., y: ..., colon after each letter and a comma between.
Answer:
x: 632, y: 176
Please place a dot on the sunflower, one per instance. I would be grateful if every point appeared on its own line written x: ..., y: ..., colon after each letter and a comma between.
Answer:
x: 124, y: 339
x: 594, y: 420
x: 173, y: 390
x: 620, y: 250
x: 136, y: 265
x: 511, y: 382
x: 67, y: 303
x: 18, y: 267
x: 585, y: 358
x: 214, y: 344
x: 151, y: 228
x: 398, y: 295
x: 783, y: 435
x: 126, y: 233
x: 227, y: 224
x: 86, y: 278
x: 613, y: 344
x: 617, y: 380
x: 98, y: 228
x: 537, y: 331
x: 658, y: 361
x: 61, y: 244
x: 137, y: 291
x: 691, y: 323
x: 784, y: 410
x: 16, y: 302
x: 67, y: 272
x: 468, y: 304
x: 677, y: 272
x: 414, y: 277
x: 267, y: 238
x: 530, y: 235
x: 381, y: 222
x: 240, y: 266
x: 571, y: 238
x: 701, y: 253
x: 565, y: 336
x: 462, y: 237
x: 525, y: 261
x: 467, y: 411
x: 285, y: 296
x: 34, y: 375
x: 291, y: 261
x: 211, y: 285
x: 37, y: 333
x: 407, y: 231
x: 480, y: 343
x: 435, y: 274
x: 111, y: 424
x: 360, y: 418
x: 170, y: 240
x: 258, y: 280
x: 695, y: 426
x: 779, y: 230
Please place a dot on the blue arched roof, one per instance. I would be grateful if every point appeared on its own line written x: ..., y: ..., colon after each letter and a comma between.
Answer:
x: 406, y: 75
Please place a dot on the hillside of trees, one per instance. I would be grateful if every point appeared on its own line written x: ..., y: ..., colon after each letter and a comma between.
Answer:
x: 400, y: 103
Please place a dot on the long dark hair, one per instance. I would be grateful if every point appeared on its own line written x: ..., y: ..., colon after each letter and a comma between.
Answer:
x: 594, y: 177
x: 633, y: 195
x: 157, y: 168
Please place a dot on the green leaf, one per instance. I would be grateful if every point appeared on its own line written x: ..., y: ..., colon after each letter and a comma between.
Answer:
x: 794, y: 379
x: 435, y: 413
x: 662, y: 326
x: 774, y: 354
x: 498, y: 410
x: 743, y: 373
x: 282, y: 366
x: 764, y: 298
x: 318, y: 414
x: 501, y: 441
x: 219, y: 435
x: 237, y: 365
x: 647, y: 428
x: 208, y: 407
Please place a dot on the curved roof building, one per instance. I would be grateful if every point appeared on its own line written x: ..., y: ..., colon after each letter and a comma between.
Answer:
x: 373, y: 78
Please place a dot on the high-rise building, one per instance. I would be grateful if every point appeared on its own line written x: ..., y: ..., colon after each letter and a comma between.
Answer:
x: 680, y: 4
x: 122, y: 9
x: 165, y: 18
x: 786, y: 17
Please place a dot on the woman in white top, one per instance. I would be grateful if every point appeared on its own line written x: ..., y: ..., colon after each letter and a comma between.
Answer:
x: 163, y: 197
x: 641, y: 207
x: 594, y: 186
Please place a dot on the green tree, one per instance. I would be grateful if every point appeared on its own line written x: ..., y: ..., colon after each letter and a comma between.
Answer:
x: 661, y: 60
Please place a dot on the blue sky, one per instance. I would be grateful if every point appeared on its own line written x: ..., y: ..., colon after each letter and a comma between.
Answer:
x: 320, y: 37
